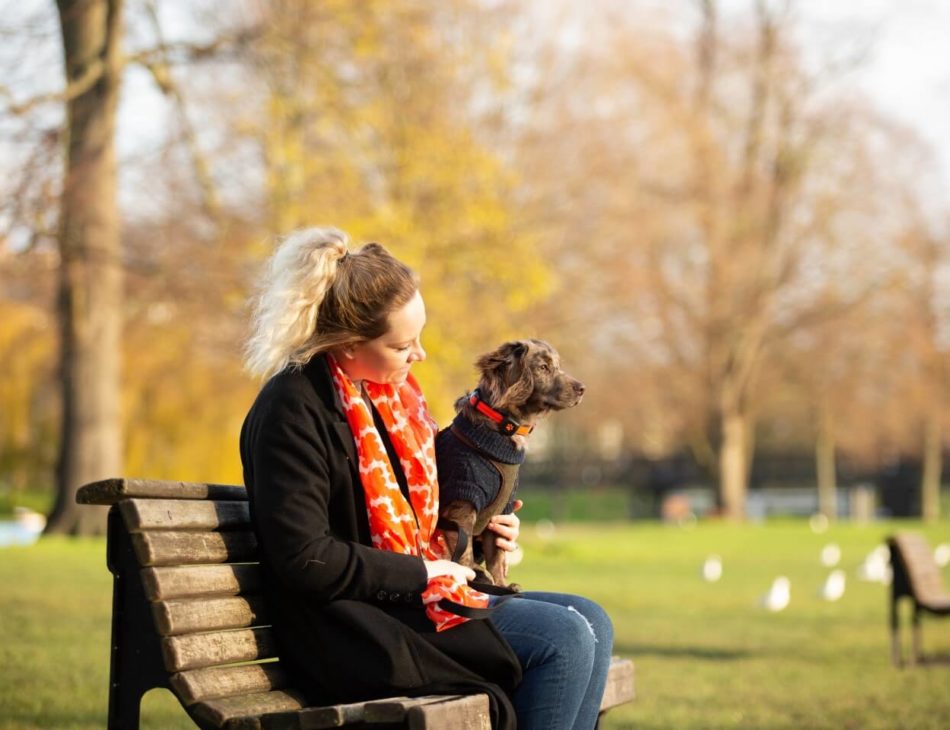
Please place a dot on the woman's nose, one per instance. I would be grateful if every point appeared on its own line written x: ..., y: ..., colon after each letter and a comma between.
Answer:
x: 418, y: 354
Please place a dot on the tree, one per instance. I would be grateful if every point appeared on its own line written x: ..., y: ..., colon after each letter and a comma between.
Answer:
x: 927, y: 341
x: 717, y: 202
x: 89, y: 308
x: 90, y: 290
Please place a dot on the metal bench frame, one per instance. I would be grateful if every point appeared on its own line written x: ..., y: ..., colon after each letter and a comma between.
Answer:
x: 916, y: 576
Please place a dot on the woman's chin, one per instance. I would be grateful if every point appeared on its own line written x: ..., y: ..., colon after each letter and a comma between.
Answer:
x: 399, y: 378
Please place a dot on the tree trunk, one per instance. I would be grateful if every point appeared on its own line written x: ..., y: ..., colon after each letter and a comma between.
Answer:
x: 734, y: 464
x: 933, y: 467
x: 825, y: 465
x: 90, y: 288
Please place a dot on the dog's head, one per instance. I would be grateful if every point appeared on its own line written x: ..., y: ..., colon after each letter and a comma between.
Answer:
x: 524, y: 378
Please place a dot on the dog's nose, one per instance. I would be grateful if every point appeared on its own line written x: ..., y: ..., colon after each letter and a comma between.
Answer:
x: 579, y: 387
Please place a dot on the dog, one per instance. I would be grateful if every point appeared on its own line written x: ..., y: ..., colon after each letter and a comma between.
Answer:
x: 479, y: 454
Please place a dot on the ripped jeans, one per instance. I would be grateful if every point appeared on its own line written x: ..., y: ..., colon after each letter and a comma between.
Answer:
x: 564, y: 643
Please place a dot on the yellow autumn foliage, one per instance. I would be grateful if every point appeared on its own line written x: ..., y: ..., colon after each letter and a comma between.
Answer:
x: 27, y: 408
x: 182, y: 409
x: 368, y: 129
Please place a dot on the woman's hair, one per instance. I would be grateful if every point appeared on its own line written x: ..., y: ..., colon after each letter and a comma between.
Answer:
x: 316, y: 295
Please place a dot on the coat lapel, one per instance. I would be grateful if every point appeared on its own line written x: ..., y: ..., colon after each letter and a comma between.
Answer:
x: 318, y: 372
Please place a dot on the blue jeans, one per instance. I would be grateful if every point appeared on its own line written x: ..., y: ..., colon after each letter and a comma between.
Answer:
x: 564, y: 644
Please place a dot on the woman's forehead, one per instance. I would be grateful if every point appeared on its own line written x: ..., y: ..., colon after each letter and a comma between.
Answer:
x: 407, y: 321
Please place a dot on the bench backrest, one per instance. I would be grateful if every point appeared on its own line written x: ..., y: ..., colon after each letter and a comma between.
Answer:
x: 916, y: 572
x: 195, y: 556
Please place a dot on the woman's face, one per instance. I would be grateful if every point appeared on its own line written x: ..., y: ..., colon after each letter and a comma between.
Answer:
x: 388, y: 358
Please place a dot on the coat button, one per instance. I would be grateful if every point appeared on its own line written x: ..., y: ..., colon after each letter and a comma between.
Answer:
x: 394, y: 596
x: 382, y: 595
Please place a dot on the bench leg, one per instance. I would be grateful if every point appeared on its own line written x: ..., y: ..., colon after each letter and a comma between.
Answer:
x: 917, y: 642
x: 136, y: 664
x: 897, y: 658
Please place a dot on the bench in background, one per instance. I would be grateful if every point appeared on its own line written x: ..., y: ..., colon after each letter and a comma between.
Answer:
x: 187, y: 615
x: 916, y: 576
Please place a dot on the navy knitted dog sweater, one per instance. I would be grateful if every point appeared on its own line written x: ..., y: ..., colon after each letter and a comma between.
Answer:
x: 467, y: 475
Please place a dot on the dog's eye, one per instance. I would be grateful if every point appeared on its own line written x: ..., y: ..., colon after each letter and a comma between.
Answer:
x: 544, y: 367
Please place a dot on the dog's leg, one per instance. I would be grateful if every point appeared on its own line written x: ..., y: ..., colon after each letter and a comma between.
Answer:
x: 496, y: 562
x: 463, y: 514
x: 496, y: 559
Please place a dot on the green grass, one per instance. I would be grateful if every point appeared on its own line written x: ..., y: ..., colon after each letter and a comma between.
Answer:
x: 55, y: 609
x: 706, y: 656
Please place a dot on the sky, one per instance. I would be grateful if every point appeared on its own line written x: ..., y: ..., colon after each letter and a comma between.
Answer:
x: 904, y: 45
x: 906, y: 66
x: 907, y: 69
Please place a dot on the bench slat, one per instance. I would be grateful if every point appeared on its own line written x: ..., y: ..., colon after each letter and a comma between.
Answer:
x: 183, y: 514
x: 320, y: 718
x: 199, y: 580
x: 468, y: 711
x: 394, y: 710
x: 194, y: 651
x: 199, y: 685
x: 464, y: 713
x: 207, y: 614
x: 190, y: 548
x: 220, y: 711
x: 620, y: 686
x: 110, y: 491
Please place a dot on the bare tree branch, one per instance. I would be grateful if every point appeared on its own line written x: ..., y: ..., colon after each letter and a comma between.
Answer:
x: 158, y: 63
x: 75, y: 88
x: 180, y: 53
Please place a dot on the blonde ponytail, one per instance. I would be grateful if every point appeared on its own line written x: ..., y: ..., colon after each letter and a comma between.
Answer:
x: 300, y: 273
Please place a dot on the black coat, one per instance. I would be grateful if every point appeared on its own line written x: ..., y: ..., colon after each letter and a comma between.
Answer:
x: 348, y: 617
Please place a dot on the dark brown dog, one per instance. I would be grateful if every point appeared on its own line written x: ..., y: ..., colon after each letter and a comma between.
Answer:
x: 479, y: 454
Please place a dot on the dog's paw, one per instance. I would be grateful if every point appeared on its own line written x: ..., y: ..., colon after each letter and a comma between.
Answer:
x: 483, y: 576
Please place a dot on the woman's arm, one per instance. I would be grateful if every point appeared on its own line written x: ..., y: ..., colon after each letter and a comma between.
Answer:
x: 309, y: 542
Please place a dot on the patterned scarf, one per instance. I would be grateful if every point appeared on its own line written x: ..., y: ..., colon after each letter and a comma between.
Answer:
x: 394, y: 524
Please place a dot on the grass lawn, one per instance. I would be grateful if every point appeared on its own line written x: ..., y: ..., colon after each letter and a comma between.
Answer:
x: 706, y: 655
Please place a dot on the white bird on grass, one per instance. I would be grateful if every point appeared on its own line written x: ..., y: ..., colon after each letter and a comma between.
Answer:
x: 712, y: 569
x: 876, y: 566
x: 830, y: 555
x: 818, y: 523
x: 833, y: 587
x: 778, y: 596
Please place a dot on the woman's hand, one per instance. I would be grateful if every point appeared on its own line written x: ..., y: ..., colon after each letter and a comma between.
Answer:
x: 461, y: 574
x: 507, y: 528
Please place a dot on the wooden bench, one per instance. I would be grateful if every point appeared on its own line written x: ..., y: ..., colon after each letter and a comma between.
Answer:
x: 916, y: 575
x: 187, y: 615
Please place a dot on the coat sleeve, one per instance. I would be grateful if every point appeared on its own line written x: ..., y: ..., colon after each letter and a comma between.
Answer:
x: 286, y: 461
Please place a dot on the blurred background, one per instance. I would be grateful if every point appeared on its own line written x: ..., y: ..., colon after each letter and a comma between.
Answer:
x: 730, y: 217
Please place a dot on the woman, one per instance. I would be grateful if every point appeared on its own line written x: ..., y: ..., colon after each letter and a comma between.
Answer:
x: 340, y: 470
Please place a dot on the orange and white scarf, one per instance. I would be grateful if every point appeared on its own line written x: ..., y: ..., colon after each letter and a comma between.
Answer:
x: 394, y: 523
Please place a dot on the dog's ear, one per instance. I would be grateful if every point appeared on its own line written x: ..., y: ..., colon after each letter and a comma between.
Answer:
x: 501, y: 357
x: 497, y: 370
x: 519, y: 392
